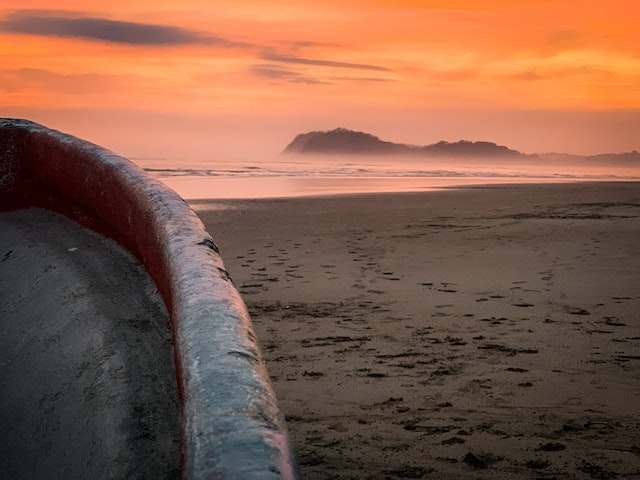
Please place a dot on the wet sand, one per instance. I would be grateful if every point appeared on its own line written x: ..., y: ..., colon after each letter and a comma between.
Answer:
x: 483, y: 333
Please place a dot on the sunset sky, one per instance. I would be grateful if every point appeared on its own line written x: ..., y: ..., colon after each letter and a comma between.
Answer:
x: 199, y: 79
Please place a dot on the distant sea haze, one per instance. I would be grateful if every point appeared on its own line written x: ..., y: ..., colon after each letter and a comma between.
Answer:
x: 313, y: 173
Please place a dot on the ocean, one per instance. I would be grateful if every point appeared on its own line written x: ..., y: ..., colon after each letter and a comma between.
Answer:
x: 295, y: 175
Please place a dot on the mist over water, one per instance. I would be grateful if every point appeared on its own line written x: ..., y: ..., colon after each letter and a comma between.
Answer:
x: 310, y: 175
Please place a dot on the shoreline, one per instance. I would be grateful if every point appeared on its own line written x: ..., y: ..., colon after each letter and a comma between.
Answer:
x: 206, y: 203
x: 481, y: 332
x: 196, y: 188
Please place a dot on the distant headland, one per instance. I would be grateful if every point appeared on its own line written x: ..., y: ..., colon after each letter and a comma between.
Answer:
x: 342, y: 141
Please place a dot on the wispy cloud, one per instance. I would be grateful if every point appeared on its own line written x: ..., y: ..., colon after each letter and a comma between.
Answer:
x: 275, y: 72
x: 528, y: 75
x: 73, y: 25
x: 362, y: 79
x: 563, y: 38
x: 26, y: 79
x: 324, y: 63
x: 453, y: 75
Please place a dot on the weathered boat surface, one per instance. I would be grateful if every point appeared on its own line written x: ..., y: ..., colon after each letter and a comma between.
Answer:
x: 95, y: 391
x: 88, y: 377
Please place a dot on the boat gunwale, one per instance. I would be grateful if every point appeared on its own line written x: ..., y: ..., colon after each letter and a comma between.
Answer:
x: 231, y: 425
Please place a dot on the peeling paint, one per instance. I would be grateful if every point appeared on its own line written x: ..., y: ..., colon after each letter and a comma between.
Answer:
x: 211, y: 244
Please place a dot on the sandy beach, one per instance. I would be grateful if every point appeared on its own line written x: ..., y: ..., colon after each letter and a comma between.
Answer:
x: 479, y: 333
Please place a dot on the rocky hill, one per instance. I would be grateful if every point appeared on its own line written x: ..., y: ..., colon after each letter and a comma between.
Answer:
x: 344, y: 141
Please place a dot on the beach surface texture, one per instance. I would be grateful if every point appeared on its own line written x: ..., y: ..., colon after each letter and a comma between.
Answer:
x: 477, y: 333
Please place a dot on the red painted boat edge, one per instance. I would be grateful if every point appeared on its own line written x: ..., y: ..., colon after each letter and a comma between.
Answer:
x: 231, y: 424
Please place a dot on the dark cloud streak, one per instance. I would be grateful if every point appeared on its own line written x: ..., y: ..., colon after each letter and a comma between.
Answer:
x: 279, y: 74
x: 273, y: 72
x: 55, y: 24
x: 323, y: 63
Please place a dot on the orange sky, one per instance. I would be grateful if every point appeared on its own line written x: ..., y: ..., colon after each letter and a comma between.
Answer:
x: 159, y: 78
